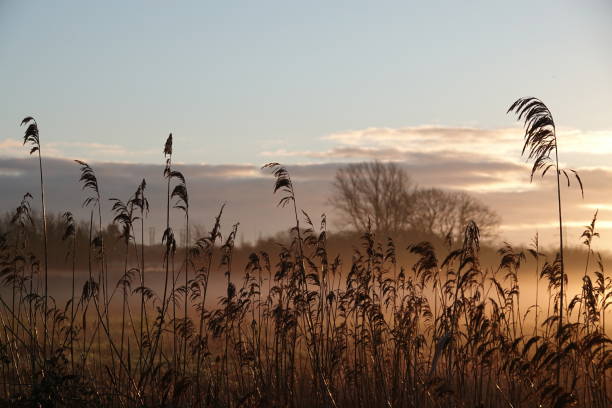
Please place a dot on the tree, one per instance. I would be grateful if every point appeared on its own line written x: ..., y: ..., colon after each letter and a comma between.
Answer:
x: 373, y: 192
x: 446, y: 213
x: 383, y: 194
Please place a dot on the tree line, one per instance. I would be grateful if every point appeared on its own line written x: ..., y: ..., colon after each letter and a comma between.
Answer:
x: 382, y: 196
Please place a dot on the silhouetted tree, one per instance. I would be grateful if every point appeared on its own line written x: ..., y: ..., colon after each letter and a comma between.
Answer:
x: 384, y: 195
x: 373, y: 192
x: 446, y: 213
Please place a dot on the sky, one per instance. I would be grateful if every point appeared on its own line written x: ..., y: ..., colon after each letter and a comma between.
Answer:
x: 312, y: 85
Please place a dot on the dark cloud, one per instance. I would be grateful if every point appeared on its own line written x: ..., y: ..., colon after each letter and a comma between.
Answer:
x: 247, y: 191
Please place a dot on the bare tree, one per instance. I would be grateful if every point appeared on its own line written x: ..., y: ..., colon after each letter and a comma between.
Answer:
x: 446, y: 213
x: 384, y: 195
x: 375, y: 192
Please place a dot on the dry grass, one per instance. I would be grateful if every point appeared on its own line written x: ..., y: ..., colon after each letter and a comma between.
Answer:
x: 300, y: 328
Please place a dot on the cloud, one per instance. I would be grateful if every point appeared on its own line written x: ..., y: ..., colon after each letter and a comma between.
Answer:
x: 488, y: 164
x: 371, y: 153
x: 470, y: 139
x: 484, y: 162
x: 11, y: 147
x: 82, y: 150
x: 442, y: 168
x: 579, y: 147
x: 430, y: 134
x: 247, y: 192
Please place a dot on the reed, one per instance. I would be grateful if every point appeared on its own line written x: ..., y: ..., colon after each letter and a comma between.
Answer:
x: 32, y: 137
x: 400, y: 322
x: 540, y: 145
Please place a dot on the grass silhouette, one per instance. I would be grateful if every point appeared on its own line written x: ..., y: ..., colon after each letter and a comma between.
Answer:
x: 403, y: 323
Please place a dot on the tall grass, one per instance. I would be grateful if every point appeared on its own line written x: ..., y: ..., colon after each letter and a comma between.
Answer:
x: 32, y: 137
x: 540, y: 145
x: 431, y: 325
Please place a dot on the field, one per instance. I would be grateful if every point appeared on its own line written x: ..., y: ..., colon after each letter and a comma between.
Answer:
x: 394, y: 321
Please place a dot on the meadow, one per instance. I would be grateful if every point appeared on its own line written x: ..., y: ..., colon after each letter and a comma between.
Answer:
x: 366, y: 319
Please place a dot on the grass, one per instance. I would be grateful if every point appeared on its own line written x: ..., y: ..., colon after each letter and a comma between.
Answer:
x: 298, y: 326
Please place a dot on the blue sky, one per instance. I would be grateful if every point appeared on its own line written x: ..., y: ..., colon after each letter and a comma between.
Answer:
x: 232, y: 79
x: 314, y: 84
